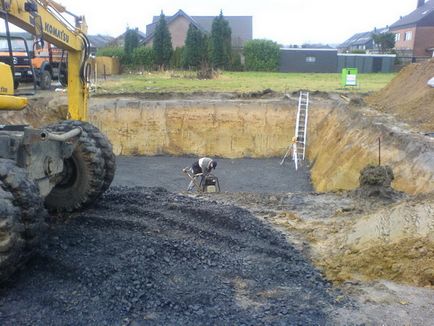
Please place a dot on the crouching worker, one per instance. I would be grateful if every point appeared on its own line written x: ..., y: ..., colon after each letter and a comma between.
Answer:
x: 200, y: 168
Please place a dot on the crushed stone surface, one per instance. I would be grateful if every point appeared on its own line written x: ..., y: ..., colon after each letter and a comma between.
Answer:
x: 235, y: 175
x: 145, y: 256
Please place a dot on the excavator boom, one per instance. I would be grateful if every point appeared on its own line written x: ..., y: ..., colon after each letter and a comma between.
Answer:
x: 43, y: 19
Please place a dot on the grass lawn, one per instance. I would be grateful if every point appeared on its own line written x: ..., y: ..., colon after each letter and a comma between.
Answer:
x: 179, y: 81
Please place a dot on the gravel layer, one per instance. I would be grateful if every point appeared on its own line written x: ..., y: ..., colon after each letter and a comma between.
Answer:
x: 246, y: 174
x: 145, y: 256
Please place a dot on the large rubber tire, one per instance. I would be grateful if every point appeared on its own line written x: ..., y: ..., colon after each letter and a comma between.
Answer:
x: 83, y: 176
x: 45, y: 80
x: 22, y: 218
x: 106, y: 148
x: 103, y: 143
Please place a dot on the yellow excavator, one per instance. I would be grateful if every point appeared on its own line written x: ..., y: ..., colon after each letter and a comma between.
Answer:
x: 61, y: 167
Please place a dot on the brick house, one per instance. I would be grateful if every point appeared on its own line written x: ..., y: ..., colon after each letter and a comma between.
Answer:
x: 179, y: 23
x: 414, y: 33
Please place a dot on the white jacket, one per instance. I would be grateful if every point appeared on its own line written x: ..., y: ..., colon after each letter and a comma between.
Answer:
x: 205, y: 164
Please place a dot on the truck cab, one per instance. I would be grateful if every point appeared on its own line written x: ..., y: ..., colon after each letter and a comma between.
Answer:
x: 33, y: 62
x: 21, y: 59
x: 49, y: 62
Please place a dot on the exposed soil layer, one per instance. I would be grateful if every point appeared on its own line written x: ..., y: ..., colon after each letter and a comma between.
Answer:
x: 408, y: 96
x: 355, y: 238
x: 148, y: 256
x: 43, y: 109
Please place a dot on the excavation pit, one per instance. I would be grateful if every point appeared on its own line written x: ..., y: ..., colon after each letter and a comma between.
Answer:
x: 341, y: 139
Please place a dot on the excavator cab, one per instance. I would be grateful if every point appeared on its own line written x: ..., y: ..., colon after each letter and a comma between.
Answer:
x: 7, y: 99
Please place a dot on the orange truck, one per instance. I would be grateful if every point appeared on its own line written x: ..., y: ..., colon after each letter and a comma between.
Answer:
x: 40, y: 65
x: 17, y: 55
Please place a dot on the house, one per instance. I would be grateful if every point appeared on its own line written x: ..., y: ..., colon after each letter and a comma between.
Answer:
x: 99, y: 41
x: 361, y: 41
x: 120, y: 40
x: 179, y: 23
x: 414, y: 33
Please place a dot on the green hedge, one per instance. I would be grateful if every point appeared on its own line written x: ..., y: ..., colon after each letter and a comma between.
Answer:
x: 143, y: 57
x: 110, y: 52
x: 261, y: 55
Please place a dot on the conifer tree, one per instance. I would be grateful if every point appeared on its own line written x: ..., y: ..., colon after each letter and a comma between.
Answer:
x: 162, y: 43
x: 131, y: 42
x: 195, y: 50
x: 221, y: 42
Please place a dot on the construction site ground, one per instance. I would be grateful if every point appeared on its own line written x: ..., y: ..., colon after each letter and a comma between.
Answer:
x: 268, y: 250
x: 145, y: 256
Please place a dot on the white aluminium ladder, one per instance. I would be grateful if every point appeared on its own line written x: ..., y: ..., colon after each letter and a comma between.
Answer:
x: 299, y: 141
x: 301, y: 124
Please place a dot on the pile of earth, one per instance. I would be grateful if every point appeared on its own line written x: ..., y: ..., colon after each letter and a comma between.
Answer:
x: 370, y: 233
x: 408, y: 96
x: 42, y: 110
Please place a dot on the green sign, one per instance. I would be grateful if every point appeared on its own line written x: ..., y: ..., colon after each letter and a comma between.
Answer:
x: 349, y: 77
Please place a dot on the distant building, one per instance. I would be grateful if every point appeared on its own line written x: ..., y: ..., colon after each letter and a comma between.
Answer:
x: 316, y: 46
x: 308, y: 60
x: 330, y: 61
x: 120, y: 40
x: 99, y: 41
x: 96, y: 41
x: 179, y: 23
x: 414, y: 33
x: 361, y: 41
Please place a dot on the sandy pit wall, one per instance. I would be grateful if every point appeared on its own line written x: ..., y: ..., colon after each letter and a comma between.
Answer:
x: 347, y: 139
x: 230, y: 128
x: 342, y: 139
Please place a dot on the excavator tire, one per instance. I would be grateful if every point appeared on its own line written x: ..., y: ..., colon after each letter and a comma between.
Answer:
x: 22, y: 218
x: 106, y: 148
x: 83, y: 176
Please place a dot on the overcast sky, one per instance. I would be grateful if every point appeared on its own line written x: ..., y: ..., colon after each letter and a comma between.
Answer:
x: 283, y: 21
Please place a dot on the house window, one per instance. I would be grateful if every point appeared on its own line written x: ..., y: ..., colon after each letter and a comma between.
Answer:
x: 397, y: 37
x: 408, y: 35
x: 310, y: 59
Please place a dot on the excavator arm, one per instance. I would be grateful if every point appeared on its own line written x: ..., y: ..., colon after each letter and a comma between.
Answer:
x: 43, y: 18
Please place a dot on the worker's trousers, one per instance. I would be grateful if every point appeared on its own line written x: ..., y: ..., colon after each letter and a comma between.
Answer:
x: 198, y: 178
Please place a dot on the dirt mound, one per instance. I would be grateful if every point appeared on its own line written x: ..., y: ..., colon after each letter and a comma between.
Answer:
x: 376, y: 181
x: 41, y: 111
x: 409, y: 97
